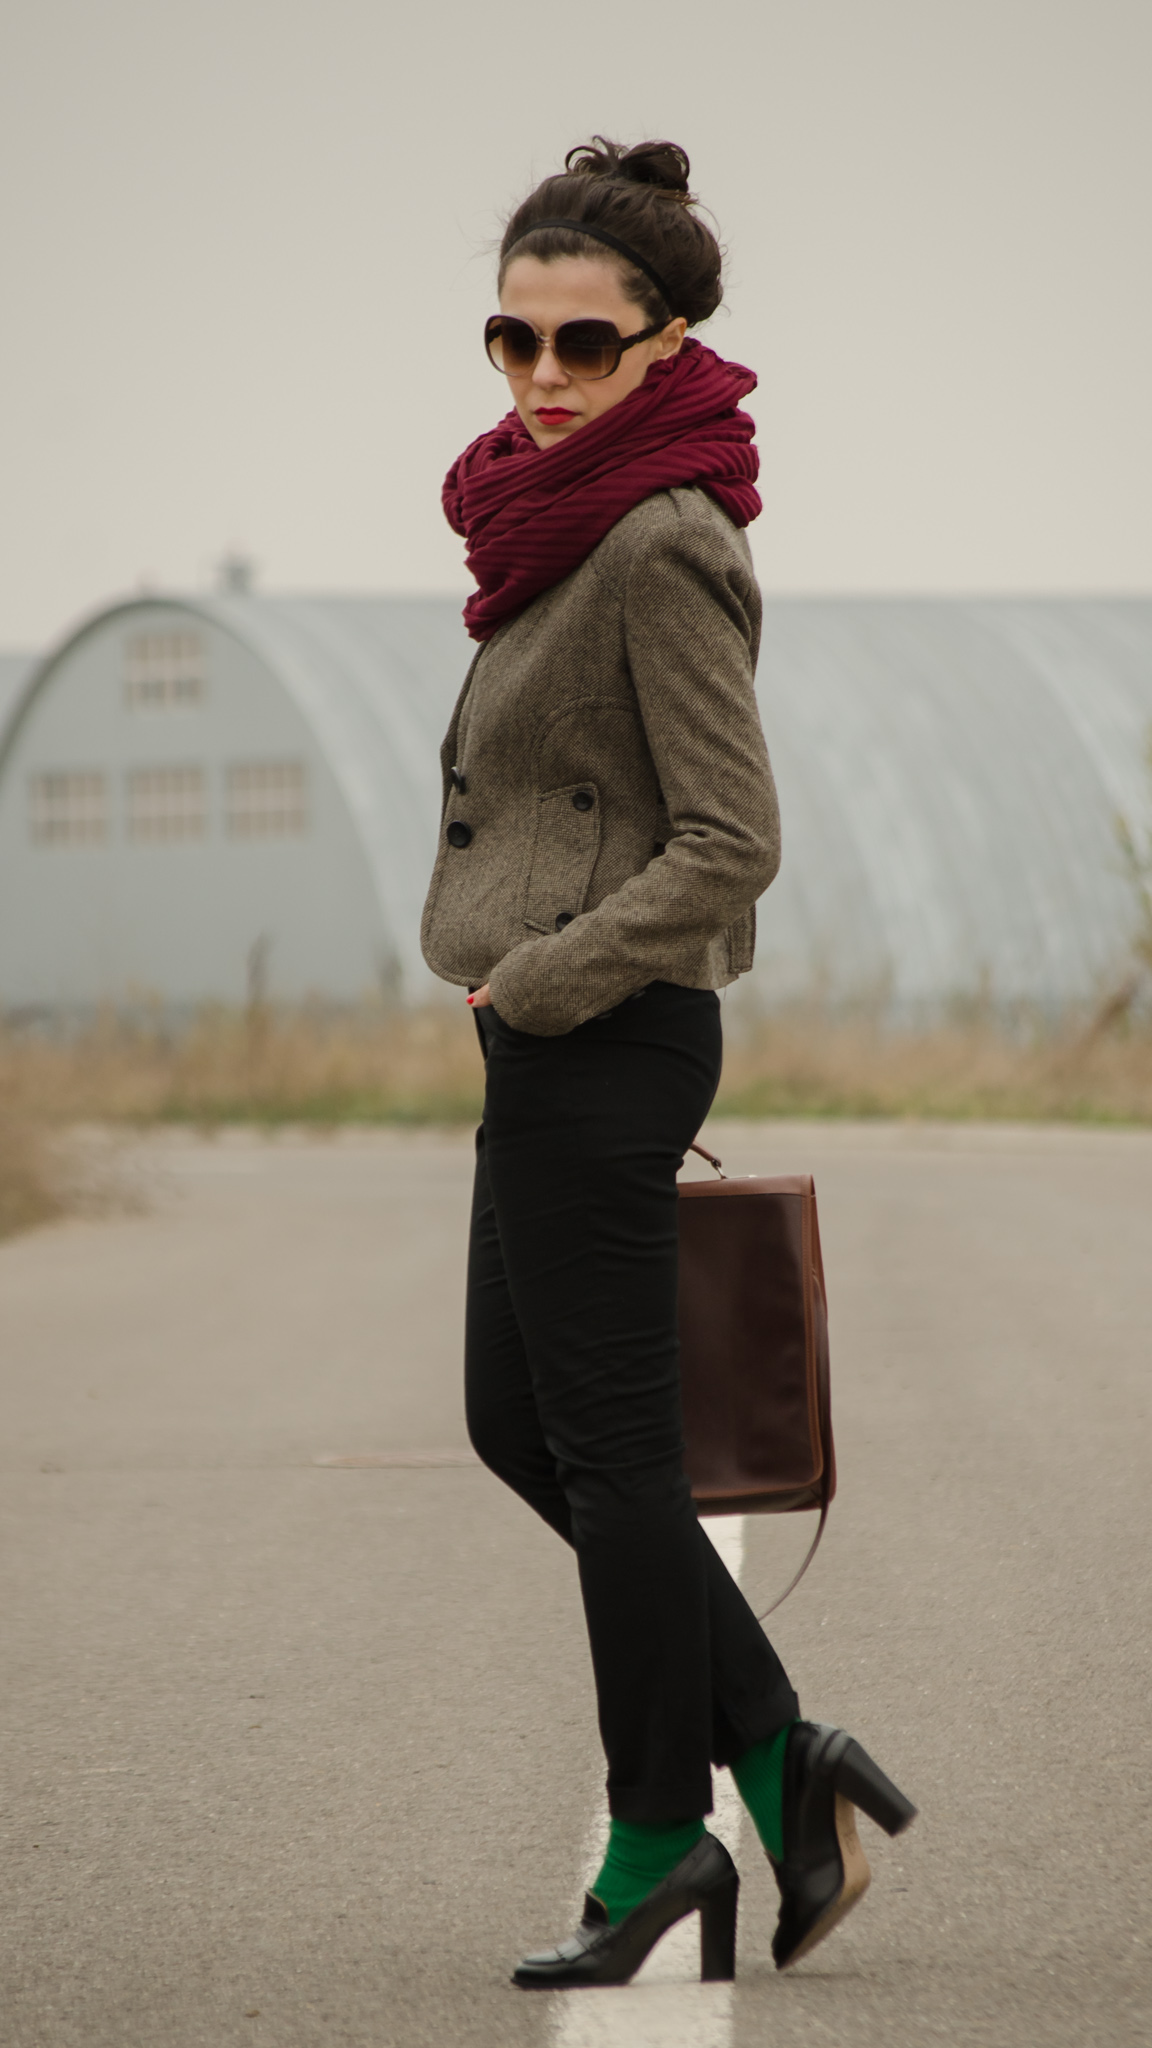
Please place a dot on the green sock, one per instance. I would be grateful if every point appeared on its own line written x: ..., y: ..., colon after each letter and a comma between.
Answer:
x: 638, y: 1855
x: 759, y: 1776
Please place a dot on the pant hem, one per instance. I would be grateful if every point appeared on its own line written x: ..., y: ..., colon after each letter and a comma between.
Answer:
x: 659, y: 1809
x: 775, y: 1714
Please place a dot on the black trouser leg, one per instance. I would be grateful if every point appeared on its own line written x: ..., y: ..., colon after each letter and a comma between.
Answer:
x: 573, y: 1383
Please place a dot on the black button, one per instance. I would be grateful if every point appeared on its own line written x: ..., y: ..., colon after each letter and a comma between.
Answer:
x: 583, y: 800
x: 457, y: 781
x: 459, y: 834
x: 565, y: 917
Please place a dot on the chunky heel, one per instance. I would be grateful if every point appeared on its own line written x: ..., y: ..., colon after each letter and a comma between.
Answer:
x: 824, y: 1872
x: 718, y: 1932
x: 705, y: 1882
x: 863, y: 1782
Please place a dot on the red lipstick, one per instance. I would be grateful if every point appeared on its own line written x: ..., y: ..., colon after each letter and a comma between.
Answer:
x: 552, y: 415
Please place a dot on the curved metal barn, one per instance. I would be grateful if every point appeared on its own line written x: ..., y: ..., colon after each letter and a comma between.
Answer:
x: 950, y: 776
x: 189, y: 785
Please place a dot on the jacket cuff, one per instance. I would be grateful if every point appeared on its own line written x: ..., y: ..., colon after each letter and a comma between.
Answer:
x: 532, y: 991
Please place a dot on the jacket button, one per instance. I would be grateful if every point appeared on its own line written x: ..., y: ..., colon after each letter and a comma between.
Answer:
x: 458, y: 833
x: 565, y: 917
x: 583, y: 800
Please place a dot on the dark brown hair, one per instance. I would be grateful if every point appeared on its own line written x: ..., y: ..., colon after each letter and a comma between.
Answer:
x: 641, y: 196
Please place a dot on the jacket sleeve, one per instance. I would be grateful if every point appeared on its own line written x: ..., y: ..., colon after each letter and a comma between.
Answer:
x: 691, y: 616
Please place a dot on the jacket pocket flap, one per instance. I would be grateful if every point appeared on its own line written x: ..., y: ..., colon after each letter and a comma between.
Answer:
x: 563, y: 857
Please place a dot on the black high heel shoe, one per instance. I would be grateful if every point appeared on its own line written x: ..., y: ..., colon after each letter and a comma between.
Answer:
x: 825, y: 1871
x: 705, y: 1882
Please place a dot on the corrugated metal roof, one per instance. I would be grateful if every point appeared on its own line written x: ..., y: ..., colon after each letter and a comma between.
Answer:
x: 950, y: 774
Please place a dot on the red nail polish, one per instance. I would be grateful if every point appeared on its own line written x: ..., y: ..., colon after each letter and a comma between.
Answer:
x: 471, y: 999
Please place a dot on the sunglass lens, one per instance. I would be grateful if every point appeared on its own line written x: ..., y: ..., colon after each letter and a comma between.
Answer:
x: 588, y: 348
x: 511, y: 344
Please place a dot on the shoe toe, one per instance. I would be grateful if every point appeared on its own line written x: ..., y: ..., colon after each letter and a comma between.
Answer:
x: 569, y: 1951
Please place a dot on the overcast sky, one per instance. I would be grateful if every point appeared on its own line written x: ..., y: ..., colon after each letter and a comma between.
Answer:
x: 246, y: 261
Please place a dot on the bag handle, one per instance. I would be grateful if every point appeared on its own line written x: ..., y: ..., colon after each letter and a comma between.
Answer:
x: 826, y: 1480
x: 711, y: 1158
x: 812, y: 1549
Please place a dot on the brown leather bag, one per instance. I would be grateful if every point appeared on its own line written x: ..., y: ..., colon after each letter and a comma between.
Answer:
x: 754, y: 1349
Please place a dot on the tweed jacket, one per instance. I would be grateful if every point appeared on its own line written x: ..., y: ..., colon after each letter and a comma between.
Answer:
x: 609, y: 812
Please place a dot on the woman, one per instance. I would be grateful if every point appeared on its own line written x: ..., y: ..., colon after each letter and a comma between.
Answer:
x: 609, y: 822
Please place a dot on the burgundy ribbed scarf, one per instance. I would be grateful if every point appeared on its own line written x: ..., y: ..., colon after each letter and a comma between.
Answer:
x: 530, y: 515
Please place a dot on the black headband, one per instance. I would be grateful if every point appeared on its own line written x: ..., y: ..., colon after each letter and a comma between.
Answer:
x: 585, y: 227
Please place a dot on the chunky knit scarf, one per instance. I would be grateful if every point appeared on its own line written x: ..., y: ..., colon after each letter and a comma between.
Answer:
x: 531, y: 515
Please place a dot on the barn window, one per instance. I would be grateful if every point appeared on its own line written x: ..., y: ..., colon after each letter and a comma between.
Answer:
x: 163, y: 671
x: 68, y: 808
x: 266, y: 799
x: 166, y: 804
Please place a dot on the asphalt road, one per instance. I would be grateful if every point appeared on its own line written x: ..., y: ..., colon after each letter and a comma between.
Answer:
x: 295, y: 1754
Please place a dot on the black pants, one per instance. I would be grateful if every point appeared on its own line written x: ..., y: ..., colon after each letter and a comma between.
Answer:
x: 572, y: 1379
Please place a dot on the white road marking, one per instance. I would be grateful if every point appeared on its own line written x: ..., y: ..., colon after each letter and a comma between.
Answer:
x: 665, y: 2006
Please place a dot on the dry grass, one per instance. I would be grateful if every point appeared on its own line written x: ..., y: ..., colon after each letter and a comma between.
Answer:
x: 301, y: 1066
x: 249, y: 1067
x: 808, y: 1065
x: 376, y: 1066
x: 29, y: 1189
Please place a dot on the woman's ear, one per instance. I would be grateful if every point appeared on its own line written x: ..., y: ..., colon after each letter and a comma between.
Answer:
x: 669, y: 342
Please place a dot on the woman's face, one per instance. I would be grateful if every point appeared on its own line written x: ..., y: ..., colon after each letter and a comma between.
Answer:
x: 552, y: 404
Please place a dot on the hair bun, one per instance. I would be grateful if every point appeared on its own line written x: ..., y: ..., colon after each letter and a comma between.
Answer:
x: 663, y: 164
x: 637, y: 200
x: 658, y: 163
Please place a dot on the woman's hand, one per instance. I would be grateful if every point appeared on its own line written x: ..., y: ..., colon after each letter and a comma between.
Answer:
x: 480, y: 998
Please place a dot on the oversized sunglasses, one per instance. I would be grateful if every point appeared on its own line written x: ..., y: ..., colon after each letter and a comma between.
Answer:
x: 587, y: 349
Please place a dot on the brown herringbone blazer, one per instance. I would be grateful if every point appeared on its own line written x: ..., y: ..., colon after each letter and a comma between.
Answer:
x: 609, y: 811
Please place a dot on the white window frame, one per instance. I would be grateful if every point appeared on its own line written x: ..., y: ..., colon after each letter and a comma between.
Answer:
x: 68, y: 807
x: 164, y: 669
x: 266, y: 800
x: 166, y: 804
